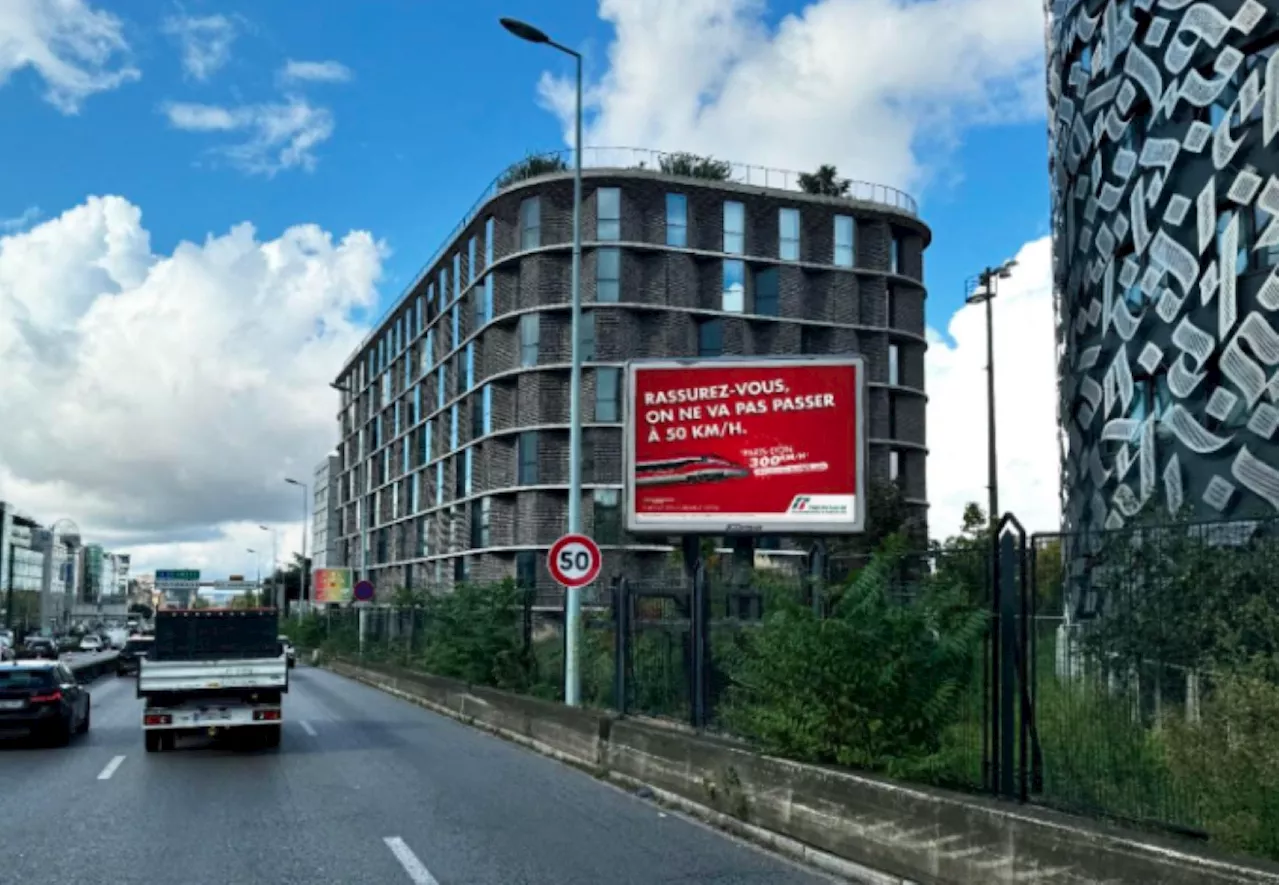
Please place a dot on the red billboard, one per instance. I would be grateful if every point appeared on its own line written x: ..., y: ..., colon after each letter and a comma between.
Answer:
x: 728, y: 446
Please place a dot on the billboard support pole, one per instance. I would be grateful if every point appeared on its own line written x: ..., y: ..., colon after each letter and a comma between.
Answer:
x: 621, y: 642
x: 695, y: 567
x: 818, y: 575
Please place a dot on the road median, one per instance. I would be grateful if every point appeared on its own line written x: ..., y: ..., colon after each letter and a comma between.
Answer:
x: 865, y: 828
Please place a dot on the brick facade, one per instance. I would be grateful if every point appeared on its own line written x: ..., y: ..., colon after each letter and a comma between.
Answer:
x: 517, y: 432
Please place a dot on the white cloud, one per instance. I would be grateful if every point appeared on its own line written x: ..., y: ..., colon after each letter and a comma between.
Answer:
x: 280, y: 135
x: 159, y: 400
x: 315, y: 72
x: 878, y: 87
x: 205, y: 42
x: 1026, y: 402
x: 19, y: 221
x: 76, y: 50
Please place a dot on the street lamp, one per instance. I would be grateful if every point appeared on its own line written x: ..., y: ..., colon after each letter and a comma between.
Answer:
x: 573, y: 596
x: 275, y: 565
x: 984, y: 294
x: 306, y: 518
x: 258, y: 561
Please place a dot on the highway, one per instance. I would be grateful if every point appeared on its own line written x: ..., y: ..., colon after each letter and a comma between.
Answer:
x: 366, y: 789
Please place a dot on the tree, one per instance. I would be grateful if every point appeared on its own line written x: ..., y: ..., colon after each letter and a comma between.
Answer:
x: 825, y: 182
x: 694, y: 166
x: 291, y: 578
x: 531, y: 167
x: 142, y: 610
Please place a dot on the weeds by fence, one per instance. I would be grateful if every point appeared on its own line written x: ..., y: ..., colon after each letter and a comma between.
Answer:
x: 1150, y: 679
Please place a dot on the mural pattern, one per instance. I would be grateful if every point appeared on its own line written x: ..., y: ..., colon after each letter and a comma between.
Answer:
x: 1163, y: 163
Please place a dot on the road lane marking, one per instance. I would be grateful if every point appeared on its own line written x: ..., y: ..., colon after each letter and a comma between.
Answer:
x: 110, y: 769
x: 306, y: 726
x: 418, y: 873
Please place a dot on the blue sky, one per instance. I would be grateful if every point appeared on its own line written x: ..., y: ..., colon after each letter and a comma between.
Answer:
x: 353, y: 137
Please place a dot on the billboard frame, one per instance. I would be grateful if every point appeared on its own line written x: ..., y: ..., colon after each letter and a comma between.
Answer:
x: 746, y: 524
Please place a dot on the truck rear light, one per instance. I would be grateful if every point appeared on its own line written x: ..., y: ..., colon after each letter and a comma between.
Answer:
x: 51, y: 698
x: 157, y: 719
x: 266, y: 715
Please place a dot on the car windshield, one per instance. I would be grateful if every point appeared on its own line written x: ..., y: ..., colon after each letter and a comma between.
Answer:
x: 17, y: 678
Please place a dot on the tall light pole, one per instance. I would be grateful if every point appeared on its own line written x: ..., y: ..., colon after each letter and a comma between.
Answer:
x: 573, y: 597
x: 275, y: 565
x: 306, y: 519
x: 257, y: 560
x: 985, y: 294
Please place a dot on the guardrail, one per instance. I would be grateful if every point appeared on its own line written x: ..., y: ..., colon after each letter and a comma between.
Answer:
x: 89, y: 667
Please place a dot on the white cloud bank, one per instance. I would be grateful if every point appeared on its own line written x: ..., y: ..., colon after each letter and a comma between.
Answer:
x: 76, y: 50
x: 1026, y: 402
x: 878, y: 87
x: 278, y: 135
x: 204, y: 41
x: 314, y: 72
x: 159, y: 400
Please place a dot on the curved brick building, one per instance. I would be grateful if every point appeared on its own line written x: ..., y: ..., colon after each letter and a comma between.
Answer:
x: 454, y: 426
x: 1163, y: 125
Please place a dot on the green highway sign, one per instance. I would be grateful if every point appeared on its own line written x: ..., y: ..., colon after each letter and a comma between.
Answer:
x: 180, y: 574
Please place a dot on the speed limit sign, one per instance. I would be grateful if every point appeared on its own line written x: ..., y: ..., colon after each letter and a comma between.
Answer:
x: 574, y: 561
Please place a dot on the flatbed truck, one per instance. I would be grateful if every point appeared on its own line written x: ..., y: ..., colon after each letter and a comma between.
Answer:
x: 213, y: 671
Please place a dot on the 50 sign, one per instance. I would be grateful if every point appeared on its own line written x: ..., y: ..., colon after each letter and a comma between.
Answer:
x: 574, y: 561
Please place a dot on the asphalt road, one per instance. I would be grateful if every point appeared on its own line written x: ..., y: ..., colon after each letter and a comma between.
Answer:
x: 365, y: 789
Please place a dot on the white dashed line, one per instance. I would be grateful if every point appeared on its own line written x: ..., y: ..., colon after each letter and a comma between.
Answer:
x: 307, y: 727
x: 110, y: 769
x: 418, y: 874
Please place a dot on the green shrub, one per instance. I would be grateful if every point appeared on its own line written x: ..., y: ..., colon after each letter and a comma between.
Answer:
x: 875, y: 685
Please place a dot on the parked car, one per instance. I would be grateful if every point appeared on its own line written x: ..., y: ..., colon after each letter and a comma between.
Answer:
x: 38, y: 648
x: 286, y: 647
x: 91, y: 643
x: 135, y: 648
x: 42, y: 699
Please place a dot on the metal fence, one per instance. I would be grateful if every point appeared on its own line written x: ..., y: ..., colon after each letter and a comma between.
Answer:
x: 1126, y: 674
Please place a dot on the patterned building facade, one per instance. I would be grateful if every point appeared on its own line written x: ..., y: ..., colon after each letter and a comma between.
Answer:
x: 454, y: 421
x: 1163, y: 119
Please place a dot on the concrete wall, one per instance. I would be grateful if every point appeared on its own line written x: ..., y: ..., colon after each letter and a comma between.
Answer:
x: 866, y: 828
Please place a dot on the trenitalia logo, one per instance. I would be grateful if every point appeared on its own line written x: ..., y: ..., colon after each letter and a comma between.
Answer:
x: 821, y: 505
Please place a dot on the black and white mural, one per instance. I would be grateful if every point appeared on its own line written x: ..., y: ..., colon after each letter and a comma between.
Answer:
x: 1163, y: 119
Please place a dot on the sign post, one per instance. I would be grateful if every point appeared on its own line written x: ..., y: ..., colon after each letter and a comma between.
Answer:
x: 574, y: 561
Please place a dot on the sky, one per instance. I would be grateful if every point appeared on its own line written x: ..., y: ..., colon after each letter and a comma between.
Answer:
x: 205, y: 204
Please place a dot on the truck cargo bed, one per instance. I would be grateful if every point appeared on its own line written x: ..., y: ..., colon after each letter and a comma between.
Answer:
x: 180, y: 677
x: 215, y: 634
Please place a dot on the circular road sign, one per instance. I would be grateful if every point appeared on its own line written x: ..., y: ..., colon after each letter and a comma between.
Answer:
x: 363, y: 591
x: 574, y: 561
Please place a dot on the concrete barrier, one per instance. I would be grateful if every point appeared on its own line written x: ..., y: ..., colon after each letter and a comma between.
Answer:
x: 89, y: 667
x: 865, y: 828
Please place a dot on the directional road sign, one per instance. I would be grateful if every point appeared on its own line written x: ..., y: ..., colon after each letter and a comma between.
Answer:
x: 574, y: 561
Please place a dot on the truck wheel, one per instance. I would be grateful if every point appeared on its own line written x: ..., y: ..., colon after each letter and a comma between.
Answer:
x: 270, y: 736
x: 152, y: 741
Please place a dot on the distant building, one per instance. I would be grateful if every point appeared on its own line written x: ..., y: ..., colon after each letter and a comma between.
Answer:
x: 325, y: 524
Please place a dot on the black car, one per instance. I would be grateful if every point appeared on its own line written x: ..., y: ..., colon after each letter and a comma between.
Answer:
x: 42, y: 699
x: 135, y: 648
x: 39, y: 647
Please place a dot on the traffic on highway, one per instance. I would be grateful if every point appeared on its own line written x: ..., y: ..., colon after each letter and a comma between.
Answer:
x: 199, y: 754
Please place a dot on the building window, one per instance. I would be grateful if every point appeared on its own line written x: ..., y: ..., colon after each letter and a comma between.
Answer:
x: 456, y: 323
x: 484, y: 301
x: 461, y: 570
x: 480, y: 521
x: 677, y: 220
x: 442, y: 394
x: 530, y: 223
x: 608, y: 273
x: 607, y: 514
x: 789, y: 234
x: 453, y: 426
x: 471, y: 260
x: 766, y: 292
x: 894, y: 357
x: 527, y: 458
x: 734, y: 227
x: 608, y: 213
x: 439, y: 483
x: 733, y: 287
x: 895, y: 254
x: 844, y: 238
x: 470, y: 361
x: 587, y: 335
x: 710, y: 338
x: 488, y: 242
x: 529, y: 339
x: 894, y: 466
x: 526, y: 569
x: 482, y: 412
x: 468, y: 463
x: 608, y: 381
